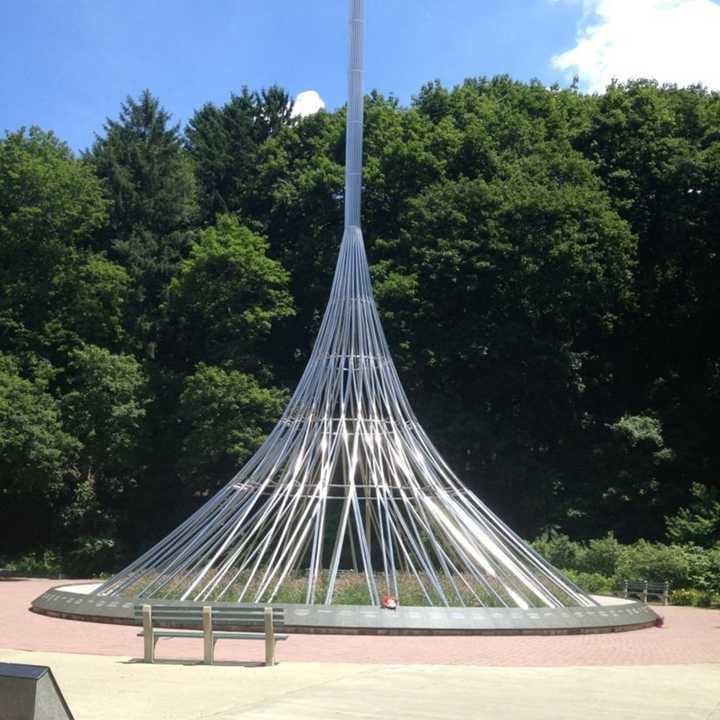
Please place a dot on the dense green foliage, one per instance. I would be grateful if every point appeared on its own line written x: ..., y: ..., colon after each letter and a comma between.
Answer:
x: 545, y: 262
x: 602, y: 564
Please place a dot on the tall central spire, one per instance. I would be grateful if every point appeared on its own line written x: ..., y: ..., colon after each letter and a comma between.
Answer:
x: 354, y: 133
x: 347, y: 499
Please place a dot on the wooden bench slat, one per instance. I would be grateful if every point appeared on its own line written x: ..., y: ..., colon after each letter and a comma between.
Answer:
x: 219, y: 615
x: 195, y: 621
x: 177, y: 608
x: 239, y: 621
x: 160, y: 611
x: 179, y: 623
x: 225, y: 635
x: 222, y: 611
x: 218, y: 634
x: 176, y: 633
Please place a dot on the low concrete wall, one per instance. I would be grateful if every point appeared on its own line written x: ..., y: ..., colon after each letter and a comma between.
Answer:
x: 75, y: 602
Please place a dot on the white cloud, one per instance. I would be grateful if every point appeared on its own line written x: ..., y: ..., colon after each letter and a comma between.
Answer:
x: 673, y: 41
x: 307, y: 103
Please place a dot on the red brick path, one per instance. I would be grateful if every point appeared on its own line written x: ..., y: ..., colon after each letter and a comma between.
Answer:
x: 690, y: 635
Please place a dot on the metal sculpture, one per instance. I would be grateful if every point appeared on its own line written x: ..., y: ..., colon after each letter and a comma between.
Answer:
x: 347, y: 489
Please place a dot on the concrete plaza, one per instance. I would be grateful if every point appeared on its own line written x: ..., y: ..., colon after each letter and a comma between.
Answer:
x: 113, y: 688
x: 670, y: 672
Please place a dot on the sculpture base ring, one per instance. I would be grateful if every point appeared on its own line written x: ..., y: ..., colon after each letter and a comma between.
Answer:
x: 74, y: 602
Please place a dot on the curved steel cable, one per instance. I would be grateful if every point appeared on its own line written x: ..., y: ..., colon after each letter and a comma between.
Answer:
x: 347, y: 483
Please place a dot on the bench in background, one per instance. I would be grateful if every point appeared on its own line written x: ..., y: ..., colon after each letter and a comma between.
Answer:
x: 210, y: 624
x: 643, y: 589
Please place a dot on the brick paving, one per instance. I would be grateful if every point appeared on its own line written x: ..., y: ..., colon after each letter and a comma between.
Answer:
x: 690, y: 635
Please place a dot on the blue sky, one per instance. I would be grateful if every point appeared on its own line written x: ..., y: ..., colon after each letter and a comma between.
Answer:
x: 66, y: 65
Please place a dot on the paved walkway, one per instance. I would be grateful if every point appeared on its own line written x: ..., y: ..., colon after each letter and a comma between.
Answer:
x: 667, y: 674
x: 115, y: 688
x: 690, y: 635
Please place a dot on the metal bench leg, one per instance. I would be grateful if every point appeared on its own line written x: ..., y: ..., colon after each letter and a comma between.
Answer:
x: 269, y: 638
x: 208, y: 642
x: 148, y: 636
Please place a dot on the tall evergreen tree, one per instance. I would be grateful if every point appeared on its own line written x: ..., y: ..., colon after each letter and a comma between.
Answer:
x: 225, y: 141
x: 150, y: 180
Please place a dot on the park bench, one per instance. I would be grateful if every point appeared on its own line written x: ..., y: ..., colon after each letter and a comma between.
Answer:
x: 211, y: 624
x: 643, y: 589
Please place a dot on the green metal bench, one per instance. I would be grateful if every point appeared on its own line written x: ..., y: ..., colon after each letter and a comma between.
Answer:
x: 211, y: 624
x: 643, y: 589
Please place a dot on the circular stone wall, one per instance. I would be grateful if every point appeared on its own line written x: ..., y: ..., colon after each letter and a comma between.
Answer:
x: 613, y: 615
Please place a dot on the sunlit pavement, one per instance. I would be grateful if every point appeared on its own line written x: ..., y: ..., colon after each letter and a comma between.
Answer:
x: 672, y: 672
x: 109, y: 688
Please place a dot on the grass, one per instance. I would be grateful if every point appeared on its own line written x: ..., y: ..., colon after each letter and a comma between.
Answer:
x: 350, y: 589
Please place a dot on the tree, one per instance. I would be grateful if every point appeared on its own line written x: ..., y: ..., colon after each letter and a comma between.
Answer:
x: 104, y: 406
x: 150, y: 180
x: 88, y: 303
x: 35, y: 452
x: 298, y: 201
x: 149, y: 177
x: 512, y: 284
x: 545, y: 262
x: 225, y: 298
x: 225, y: 141
x: 51, y: 207
x: 34, y: 447
x: 634, y: 463
x: 226, y: 415
x: 657, y: 149
x: 700, y: 522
